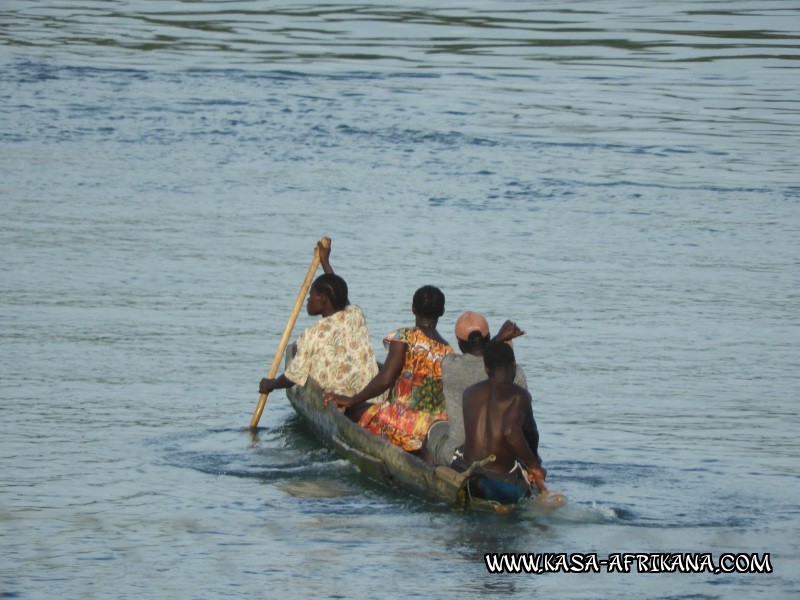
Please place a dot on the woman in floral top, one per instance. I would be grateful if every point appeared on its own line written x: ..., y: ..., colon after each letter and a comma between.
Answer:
x: 413, y: 368
x: 336, y: 352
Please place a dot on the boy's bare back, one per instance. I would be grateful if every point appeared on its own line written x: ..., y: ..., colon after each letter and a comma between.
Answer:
x: 495, y: 417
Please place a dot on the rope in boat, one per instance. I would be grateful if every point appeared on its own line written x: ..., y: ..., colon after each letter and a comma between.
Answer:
x: 472, y: 468
x: 498, y: 506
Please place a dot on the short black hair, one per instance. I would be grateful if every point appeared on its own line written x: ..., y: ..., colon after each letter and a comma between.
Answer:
x: 475, y: 341
x: 334, y: 288
x: 428, y: 302
x: 498, y: 354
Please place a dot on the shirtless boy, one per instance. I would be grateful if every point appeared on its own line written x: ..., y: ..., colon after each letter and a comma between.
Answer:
x: 498, y: 419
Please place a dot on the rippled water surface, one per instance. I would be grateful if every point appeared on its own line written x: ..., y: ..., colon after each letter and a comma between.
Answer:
x: 620, y: 178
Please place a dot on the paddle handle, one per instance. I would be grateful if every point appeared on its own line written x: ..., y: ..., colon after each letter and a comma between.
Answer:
x: 287, y: 332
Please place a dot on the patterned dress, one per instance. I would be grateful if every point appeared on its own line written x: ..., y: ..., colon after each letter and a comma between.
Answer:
x: 336, y: 352
x: 417, y: 399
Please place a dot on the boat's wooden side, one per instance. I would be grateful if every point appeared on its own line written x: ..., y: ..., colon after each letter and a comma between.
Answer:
x: 378, y: 459
x: 374, y: 456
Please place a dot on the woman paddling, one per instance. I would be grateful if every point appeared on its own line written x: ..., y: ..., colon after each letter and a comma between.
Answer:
x: 336, y: 351
x: 413, y: 367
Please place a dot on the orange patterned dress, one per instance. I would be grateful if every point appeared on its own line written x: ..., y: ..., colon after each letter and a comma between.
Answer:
x: 417, y: 399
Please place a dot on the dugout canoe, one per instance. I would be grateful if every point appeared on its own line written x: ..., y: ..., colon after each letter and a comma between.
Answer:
x: 378, y: 459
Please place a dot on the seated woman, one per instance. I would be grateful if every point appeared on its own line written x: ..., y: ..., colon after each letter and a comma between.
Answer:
x: 336, y: 351
x: 413, y: 367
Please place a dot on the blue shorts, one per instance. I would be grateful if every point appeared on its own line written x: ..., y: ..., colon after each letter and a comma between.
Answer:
x: 499, y: 488
x: 505, y: 488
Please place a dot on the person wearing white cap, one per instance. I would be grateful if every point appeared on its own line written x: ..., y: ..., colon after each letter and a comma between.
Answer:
x: 459, y: 371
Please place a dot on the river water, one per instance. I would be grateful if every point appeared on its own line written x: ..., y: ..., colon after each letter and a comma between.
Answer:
x: 619, y: 178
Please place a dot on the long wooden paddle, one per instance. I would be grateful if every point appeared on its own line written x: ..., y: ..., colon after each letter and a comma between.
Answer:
x: 312, y: 269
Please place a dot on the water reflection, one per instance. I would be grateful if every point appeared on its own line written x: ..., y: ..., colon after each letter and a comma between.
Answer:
x: 501, y: 37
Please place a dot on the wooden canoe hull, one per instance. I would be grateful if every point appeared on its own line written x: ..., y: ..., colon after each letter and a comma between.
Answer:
x: 375, y: 457
x: 378, y: 459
